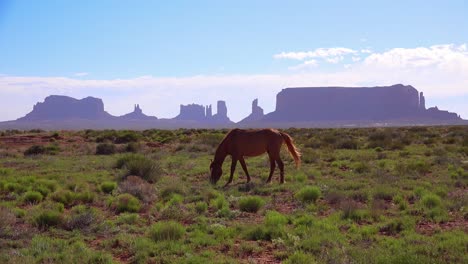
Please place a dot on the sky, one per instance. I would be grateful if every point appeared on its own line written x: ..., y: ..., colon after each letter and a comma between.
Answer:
x: 161, y: 54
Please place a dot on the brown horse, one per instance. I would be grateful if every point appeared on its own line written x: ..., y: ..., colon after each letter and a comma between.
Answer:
x: 240, y: 143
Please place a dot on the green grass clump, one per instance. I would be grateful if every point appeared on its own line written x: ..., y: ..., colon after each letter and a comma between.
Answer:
x: 251, y: 204
x: 127, y: 203
x: 32, y: 197
x: 300, y: 257
x: 139, y: 165
x: 201, y: 207
x: 308, y: 194
x: 47, y: 218
x: 65, y: 197
x: 431, y: 201
x: 105, y: 149
x: 40, y: 150
x: 108, y: 187
x: 166, y: 230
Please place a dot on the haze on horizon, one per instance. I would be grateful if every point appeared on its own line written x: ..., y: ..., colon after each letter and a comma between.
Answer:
x: 163, y: 54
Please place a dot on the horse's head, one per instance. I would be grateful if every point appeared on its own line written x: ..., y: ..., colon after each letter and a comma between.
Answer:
x: 215, y: 172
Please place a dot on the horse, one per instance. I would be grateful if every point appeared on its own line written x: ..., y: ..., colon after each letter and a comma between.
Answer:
x: 240, y: 143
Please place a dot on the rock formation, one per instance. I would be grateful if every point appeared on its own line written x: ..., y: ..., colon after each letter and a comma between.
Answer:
x: 204, y: 114
x: 137, y: 114
x: 56, y: 107
x: 422, y: 101
x: 191, y: 112
x: 221, y: 114
x: 337, y: 104
x: 255, y: 115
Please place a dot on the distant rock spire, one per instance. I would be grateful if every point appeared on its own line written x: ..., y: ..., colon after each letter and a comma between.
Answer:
x: 422, y: 101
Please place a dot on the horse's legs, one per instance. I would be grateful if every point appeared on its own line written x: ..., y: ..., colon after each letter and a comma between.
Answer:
x: 233, y: 168
x: 244, y: 167
x: 281, y: 167
x: 272, y: 167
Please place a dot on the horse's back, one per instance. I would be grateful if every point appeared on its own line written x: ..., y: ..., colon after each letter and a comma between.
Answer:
x: 254, y: 142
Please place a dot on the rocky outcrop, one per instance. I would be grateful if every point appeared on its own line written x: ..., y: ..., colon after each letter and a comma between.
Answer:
x: 221, y: 115
x: 56, y: 107
x: 204, y: 114
x: 255, y: 115
x: 191, y: 112
x: 336, y: 104
x: 137, y: 114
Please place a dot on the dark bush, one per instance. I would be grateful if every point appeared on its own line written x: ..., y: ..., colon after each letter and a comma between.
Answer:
x: 105, y: 149
x: 108, y: 187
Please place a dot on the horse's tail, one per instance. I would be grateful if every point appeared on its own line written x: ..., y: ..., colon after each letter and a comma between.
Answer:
x: 292, y: 148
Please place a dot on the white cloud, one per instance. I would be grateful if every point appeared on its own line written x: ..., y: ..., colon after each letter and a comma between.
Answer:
x: 305, y: 65
x: 318, y: 53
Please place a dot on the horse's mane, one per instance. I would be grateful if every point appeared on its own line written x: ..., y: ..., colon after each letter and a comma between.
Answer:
x: 226, y: 137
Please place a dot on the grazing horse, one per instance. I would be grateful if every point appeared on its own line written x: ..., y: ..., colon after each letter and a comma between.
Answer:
x: 240, y: 143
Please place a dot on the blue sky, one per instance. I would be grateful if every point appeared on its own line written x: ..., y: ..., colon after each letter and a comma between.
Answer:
x: 151, y: 52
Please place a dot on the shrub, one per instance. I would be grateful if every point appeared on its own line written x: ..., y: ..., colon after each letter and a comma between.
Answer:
x: 132, y: 147
x: 127, y: 203
x: 431, y: 201
x: 35, y: 150
x: 219, y: 202
x: 32, y: 197
x: 351, y: 211
x: 308, y: 194
x: 105, y: 149
x: 201, y: 207
x: 300, y: 257
x: 80, y: 217
x: 65, y: 197
x: 47, y: 218
x: 126, y: 137
x: 166, y: 231
x: 108, y: 187
x: 39, y: 150
x: 251, y: 204
x: 139, y: 165
x: 137, y: 187
x: 7, y: 220
x: 275, y: 219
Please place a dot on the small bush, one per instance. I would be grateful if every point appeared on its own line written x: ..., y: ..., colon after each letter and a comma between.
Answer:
x: 80, y: 217
x: 32, y: 197
x: 105, y: 149
x: 166, y: 231
x: 300, y: 258
x: 137, y: 187
x: 308, y: 194
x: 132, y: 147
x: 201, y: 207
x: 108, y: 187
x: 127, y: 203
x: 47, y: 218
x: 35, y: 150
x: 139, y: 165
x: 7, y: 220
x: 431, y: 201
x: 251, y: 204
x: 65, y: 197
